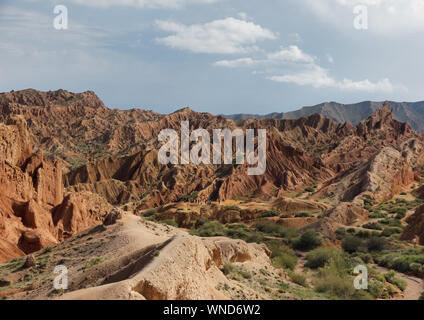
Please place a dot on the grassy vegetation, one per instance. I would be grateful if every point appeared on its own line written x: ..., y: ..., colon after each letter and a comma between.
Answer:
x: 234, y: 272
x: 155, y: 254
x: 392, y: 278
x: 407, y: 261
x: 170, y: 222
x: 282, y: 256
x: 320, y: 257
x: 298, y: 279
x: 270, y: 213
x: 93, y: 261
x: 330, y: 269
x: 272, y: 229
x: 372, y: 226
x: 334, y: 279
x: 304, y: 215
x: 308, y: 241
x: 236, y: 208
x: 149, y: 213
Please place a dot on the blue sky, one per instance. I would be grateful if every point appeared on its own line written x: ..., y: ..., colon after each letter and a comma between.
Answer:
x: 220, y: 56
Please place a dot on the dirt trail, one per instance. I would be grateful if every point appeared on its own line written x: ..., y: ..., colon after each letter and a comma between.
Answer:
x: 414, y: 288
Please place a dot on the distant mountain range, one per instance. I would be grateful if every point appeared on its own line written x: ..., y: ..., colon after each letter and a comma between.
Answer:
x: 410, y: 112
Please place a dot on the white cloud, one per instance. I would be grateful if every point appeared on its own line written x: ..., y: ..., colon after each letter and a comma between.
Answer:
x: 291, y: 54
x: 35, y: 51
x: 385, y: 16
x: 292, y: 65
x: 174, y: 4
x: 318, y: 77
x: 226, y: 36
x: 236, y: 63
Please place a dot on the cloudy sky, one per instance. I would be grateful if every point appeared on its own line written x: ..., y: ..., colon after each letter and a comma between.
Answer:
x: 220, y: 56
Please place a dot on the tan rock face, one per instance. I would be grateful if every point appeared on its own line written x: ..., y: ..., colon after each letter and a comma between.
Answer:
x: 15, y: 143
x: 30, y: 241
x: 78, y: 212
x: 30, y: 188
x: 184, y: 268
x: 415, y: 228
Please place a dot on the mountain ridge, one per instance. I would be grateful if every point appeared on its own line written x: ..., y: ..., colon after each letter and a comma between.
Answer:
x: 410, y: 112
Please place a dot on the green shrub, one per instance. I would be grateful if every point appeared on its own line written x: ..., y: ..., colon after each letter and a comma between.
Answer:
x: 334, y: 280
x: 232, y: 208
x: 243, y: 232
x: 155, y: 254
x: 400, y: 216
x: 281, y: 255
x: 93, y: 261
x: 376, y: 244
x: 298, y: 279
x: 387, y: 232
x: 308, y: 241
x: 170, y: 222
x: 200, y: 222
x: 366, y: 257
x: 376, y: 288
x: 372, y: 226
x: 276, y: 230
x: 377, y: 215
x: 416, y: 267
x: 402, y: 262
x: 235, y: 272
x: 399, y: 210
x: 320, y: 257
x: 303, y: 215
x: 351, y: 244
x: 364, y: 234
x: 341, y: 232
x: 228, y: 268
x: 391, y: 222
x: 309, y: 189
x: 392, y: 278
x: 270, y: 213
x: 209, y: 229
x: 149, y: 212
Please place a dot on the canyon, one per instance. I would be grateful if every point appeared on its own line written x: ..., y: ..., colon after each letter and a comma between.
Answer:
x: 67, y: 161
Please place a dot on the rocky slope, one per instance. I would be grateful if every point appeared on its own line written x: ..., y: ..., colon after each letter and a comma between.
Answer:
x: 143, y: 260
x: 33, y: 210
x: 411, y: 112
x: 118, y: 163
x: 67, y: 162
x: 300, y: 153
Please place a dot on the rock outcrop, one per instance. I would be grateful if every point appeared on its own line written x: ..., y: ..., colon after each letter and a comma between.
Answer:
x: 415, y: 228
x: 31, y: 192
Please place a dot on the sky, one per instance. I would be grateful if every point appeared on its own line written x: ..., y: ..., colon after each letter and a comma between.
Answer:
x: 218, y: 56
